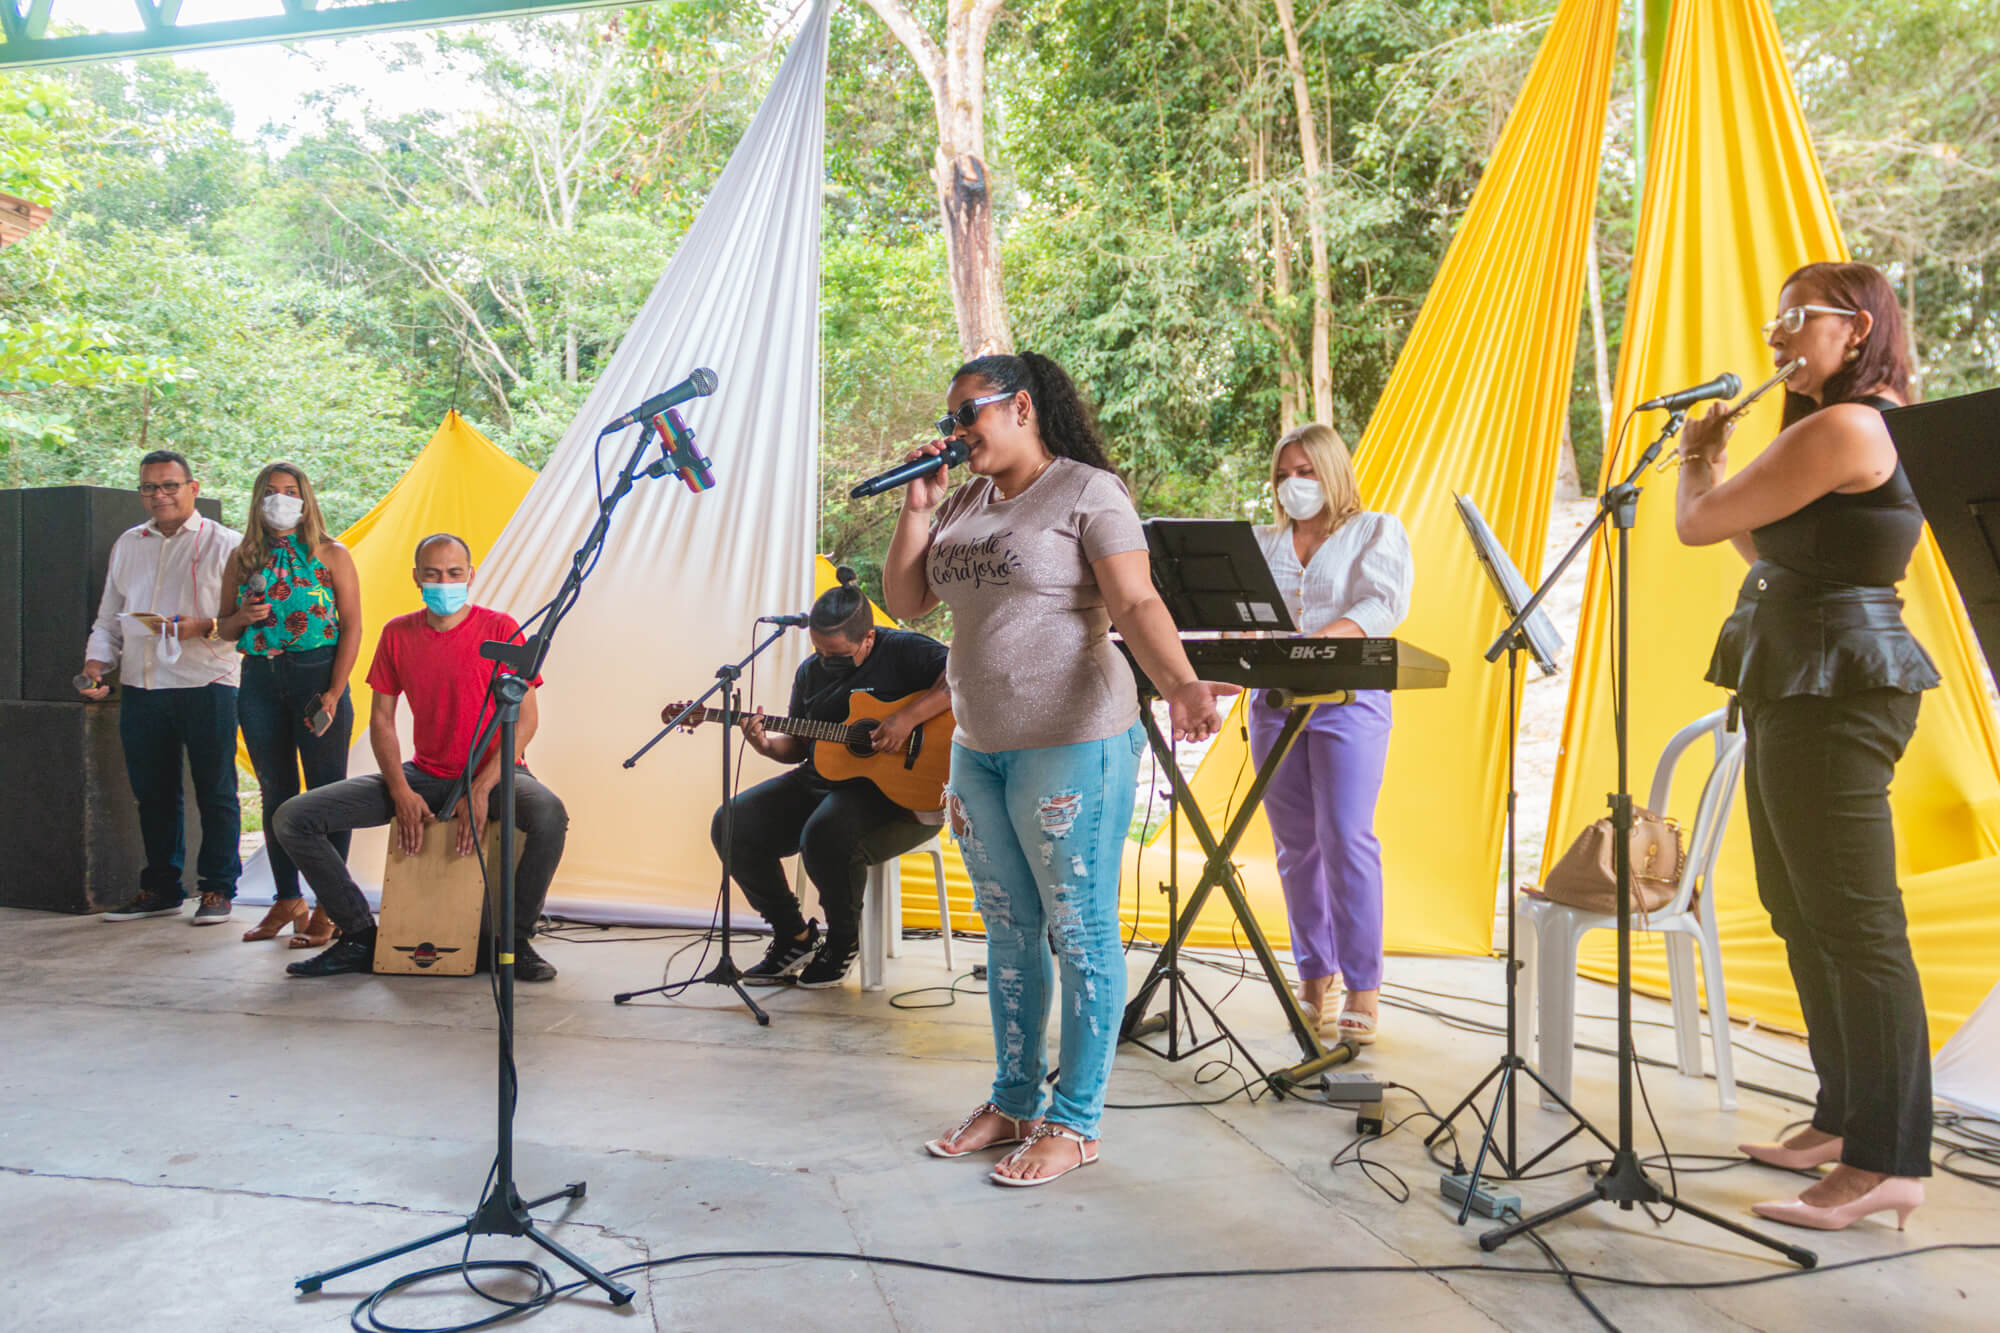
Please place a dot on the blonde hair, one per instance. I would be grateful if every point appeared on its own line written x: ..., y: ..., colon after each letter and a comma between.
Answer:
x: 1327, y: 453
x: 258, y: 539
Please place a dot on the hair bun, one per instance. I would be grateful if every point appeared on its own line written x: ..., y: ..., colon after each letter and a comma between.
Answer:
x: 846, y: 577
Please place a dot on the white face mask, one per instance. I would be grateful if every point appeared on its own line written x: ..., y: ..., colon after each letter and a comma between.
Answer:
x: 282, y: 511
x: 1302, y: 497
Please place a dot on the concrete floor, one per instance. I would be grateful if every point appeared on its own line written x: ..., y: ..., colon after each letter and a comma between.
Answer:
x: 184, y: 1131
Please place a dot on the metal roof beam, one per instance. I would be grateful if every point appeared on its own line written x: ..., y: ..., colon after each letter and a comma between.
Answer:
x: 25, y: 46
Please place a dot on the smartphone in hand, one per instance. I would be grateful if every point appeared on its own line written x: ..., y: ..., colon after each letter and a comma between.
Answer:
x: 318, y: 719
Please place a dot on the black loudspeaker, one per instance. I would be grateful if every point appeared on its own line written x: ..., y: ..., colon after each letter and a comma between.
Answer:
x: 66, y: 533
x: 67, y: 818
x: 10, y: 594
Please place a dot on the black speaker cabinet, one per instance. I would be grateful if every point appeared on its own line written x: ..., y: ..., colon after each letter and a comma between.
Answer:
x: 10, y: 594
x: 67, y: 818
x: 66, y: 533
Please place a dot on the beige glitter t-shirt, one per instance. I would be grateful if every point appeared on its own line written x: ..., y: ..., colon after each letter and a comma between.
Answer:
x: 1032, y: 663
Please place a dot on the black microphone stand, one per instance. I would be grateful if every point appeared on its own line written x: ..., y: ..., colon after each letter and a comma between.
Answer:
x: 502, y: 1212
x: 725, y: 972
x: 1624, y: 1182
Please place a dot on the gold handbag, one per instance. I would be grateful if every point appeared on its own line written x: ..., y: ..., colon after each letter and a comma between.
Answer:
x: 1585, y: 878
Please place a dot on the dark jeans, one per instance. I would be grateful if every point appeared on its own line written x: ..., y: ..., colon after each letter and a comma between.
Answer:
x: 838, y: 833
x: 157, y: 727
x: 1817, y: 778
x: 276, y: 694
x: 306, y: 825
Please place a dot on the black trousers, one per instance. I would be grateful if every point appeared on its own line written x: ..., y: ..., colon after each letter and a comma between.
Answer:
x: 1817, y: 777
x: 837, y: 832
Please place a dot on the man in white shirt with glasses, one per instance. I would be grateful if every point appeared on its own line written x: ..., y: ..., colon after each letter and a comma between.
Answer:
x: 156, y: 626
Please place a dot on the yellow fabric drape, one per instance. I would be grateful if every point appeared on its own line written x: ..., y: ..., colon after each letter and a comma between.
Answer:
x: 1734, y: 202
x: 460, y: 483
x: 1476, y: 404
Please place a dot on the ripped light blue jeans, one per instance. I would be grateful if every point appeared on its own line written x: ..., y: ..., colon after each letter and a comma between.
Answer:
x: 1043, y: 836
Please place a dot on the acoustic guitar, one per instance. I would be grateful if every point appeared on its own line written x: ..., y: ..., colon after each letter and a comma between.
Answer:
x: 913, y: 776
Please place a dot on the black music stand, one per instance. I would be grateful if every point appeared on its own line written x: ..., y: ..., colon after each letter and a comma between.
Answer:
x: 1536, y: 635
x: 1951, y: 454
x: 1213, y: 577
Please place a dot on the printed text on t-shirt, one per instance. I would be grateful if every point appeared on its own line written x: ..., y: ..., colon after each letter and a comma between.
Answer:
x: 981, y: 563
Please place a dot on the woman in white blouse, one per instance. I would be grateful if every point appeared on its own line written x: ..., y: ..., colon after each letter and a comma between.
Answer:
x: 1345, y: 573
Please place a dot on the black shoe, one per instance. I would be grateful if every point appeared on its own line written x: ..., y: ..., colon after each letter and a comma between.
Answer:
x: 785, y: 956
x: 145, y: 903
x: 531, y: 966
x: 349, y: 953
x: 830, y: 965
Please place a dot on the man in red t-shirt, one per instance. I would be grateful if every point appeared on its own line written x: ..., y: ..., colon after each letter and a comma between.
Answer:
x: 430, y: 657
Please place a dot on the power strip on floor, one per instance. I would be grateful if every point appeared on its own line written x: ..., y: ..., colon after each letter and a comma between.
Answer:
x: 1484, y: 1201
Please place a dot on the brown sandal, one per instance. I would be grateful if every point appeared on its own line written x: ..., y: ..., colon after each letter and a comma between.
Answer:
x: 284, y: 912
x: 316, y: 933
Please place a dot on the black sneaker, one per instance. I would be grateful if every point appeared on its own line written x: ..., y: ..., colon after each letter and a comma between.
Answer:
x: 531, y: 966
x: 214, y: 910
x: 785, y: 956
x: 349, y: 953
x: 145, y: 903
x: 830, y: 965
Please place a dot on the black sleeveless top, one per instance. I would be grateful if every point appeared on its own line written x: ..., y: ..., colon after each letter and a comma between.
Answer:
x: 1818, y: 613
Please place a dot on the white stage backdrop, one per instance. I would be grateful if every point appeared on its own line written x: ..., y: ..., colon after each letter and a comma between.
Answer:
x: 683, y: 576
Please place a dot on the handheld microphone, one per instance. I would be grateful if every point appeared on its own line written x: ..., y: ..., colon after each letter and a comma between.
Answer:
x: 955, y: 452
x: 784, y: 622
x: 1724, y: 385
x: 257, y: 585
x: 698, y: 385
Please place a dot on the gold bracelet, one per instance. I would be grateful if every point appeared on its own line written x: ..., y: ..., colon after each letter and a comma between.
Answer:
x: 214, y: 628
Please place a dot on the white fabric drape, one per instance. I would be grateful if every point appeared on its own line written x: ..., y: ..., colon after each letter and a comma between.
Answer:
x: 683, y: 576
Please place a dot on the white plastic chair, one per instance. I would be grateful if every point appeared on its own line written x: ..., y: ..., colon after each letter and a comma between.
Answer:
x: 882, y: 912
x: 1547, y: 933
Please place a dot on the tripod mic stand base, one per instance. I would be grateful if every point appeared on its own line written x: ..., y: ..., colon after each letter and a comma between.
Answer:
x: 724, y: 973
x: 1626, y: 1184
x: 497, y: 1216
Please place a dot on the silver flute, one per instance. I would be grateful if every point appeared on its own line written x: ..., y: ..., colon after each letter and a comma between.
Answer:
x: 1742, y: 405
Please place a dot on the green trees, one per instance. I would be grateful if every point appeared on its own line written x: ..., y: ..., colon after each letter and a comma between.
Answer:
x: 1189, y: 200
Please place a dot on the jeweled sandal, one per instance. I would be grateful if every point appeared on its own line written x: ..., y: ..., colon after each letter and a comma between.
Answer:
x: 941, y: 1147
x: 1085, y: 1155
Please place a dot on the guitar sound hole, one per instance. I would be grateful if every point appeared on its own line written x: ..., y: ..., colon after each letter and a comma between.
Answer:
x: 860, y: 740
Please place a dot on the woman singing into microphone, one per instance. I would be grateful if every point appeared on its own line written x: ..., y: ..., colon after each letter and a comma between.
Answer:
x: 1038, y: 556
x: 1829, y: 681
x: 1345, y: 573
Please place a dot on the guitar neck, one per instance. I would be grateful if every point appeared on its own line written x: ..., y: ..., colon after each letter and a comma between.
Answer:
x: 805, y: 727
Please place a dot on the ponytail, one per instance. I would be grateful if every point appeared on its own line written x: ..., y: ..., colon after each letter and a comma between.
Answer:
x: 1068, y: 425
x: 843, y: 610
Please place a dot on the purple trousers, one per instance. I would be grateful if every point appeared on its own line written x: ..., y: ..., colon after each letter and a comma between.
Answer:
x: 1321, y: 804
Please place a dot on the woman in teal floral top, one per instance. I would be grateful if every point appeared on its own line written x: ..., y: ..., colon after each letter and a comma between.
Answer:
x: 299, y: 641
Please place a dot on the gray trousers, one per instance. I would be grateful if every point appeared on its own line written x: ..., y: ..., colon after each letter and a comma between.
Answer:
x: 306, y: 824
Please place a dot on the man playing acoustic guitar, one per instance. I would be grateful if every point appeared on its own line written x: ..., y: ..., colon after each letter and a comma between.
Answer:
x: 838, y: 829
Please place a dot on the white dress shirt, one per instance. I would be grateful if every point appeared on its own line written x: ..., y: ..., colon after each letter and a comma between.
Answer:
x: 1360, y: 573
x: 181, y: 576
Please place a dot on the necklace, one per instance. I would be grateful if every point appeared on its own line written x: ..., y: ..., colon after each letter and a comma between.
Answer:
x: 1031, y: 478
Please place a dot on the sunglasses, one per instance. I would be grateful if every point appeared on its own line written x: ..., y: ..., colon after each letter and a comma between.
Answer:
x: 1794, y: 319
x: 967, y: 413
x: 167, y: 488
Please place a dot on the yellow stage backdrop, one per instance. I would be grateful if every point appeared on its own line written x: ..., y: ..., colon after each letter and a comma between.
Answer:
x: 1476, y: 404
x: 1734, y: 202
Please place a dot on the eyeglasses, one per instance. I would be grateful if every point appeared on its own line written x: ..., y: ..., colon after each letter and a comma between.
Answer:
x: 968, y: 412
x: 170, y: 489
x: 1794, y: 319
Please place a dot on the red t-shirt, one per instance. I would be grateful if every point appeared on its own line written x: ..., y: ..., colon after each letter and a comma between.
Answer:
x: 444, y: 678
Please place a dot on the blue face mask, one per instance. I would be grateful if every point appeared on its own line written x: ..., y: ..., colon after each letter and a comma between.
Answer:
x: 444, y: 599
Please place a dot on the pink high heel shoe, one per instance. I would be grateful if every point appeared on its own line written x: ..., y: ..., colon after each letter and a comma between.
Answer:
x: 1902, y: 1193
x: 1792, y: 1159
